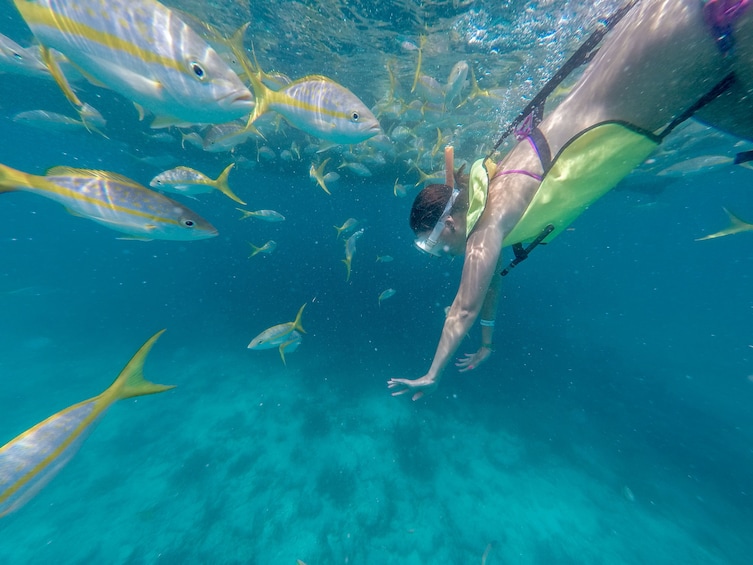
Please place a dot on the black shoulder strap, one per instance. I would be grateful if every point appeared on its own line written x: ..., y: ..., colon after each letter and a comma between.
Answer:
x: 584, y: 54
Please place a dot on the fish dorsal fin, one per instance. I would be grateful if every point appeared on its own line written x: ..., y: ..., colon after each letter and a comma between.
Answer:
x: 308, y: 78
x: 61, y: 171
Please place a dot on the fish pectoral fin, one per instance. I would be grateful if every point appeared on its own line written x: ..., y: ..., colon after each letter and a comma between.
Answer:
x: 136, y: 81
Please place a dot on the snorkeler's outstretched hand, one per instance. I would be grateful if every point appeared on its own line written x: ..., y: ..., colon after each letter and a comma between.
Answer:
x: 472, y: 360
x: 419, y: 387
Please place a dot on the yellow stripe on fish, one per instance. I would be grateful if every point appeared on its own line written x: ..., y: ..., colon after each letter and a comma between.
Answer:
x: 314, y: 104
x: 143, y: 50
x: 112, y: 200
x: 32, y: 459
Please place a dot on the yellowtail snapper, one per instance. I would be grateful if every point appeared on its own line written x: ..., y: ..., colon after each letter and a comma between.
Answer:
x: 31, y: 460
x: 267, y: 248
x: 285, y: 336
x: 318, y: 106
x: 187, y: 181
x: 112, y: 200
x: 142, y: 50
x: 266, y: 215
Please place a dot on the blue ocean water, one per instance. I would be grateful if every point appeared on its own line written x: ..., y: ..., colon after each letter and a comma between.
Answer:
x: 611, y: 425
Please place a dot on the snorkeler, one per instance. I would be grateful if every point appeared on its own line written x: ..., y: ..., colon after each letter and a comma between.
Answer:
x: 663, y: 62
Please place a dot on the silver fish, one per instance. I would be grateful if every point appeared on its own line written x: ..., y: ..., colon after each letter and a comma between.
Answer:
x: 282, y: 336
x: 144, y: 51
x: 32, y: 459
x: 112, y: 200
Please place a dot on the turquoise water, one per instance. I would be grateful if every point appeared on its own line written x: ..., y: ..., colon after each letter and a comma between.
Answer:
x: 612, y: 424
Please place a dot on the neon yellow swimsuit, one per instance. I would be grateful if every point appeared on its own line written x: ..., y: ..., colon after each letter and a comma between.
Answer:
x: 585, y: 169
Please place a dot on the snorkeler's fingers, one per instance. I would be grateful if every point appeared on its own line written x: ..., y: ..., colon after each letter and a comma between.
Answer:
x: 418, y: 395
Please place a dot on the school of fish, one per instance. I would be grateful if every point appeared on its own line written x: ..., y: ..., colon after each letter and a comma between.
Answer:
x: 194, y: 90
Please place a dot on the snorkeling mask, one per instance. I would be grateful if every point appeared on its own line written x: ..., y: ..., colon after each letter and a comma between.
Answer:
x: 428, y: 243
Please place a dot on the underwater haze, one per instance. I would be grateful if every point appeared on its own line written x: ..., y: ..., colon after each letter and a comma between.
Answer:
x: 612, y: 424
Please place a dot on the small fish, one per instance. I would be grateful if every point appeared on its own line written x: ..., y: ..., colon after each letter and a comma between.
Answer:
x: 52, y: 121
x: 316, y: 105
x: 142, y: 50
x: 282, y: 336
x: 267, y: 248
x: 225, y: 137
x: 430, y: 90
x: 421, y: 43
x: 348, y: 225
x: 358, y: 168
x: 266, y: 215
x: 31, y: 460
x: 184, y: 180
x: 384, y: 259
x: 736, y: 226
x: 264, y: 153
x: 331, y: 178
x: 315, y: 174
x: 21, y: 60
x: 48, y: 121
x: 350, y: 250
x: 389, y: 293
x: 696, y: 165
x: 456, y: 81
x: 399, y: 190
x: 112, y: 200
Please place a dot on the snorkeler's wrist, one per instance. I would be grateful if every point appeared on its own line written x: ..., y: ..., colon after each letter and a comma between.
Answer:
x: 488, y: 345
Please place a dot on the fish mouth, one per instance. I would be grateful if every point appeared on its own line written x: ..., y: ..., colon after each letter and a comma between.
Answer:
x: 239, y: 99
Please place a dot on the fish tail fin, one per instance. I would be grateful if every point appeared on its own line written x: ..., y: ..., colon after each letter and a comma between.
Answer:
x: 254, y: 74
x: 261, y: 92
x: 222, y: 185
x: 736, y: 226
x: 297, y: 322
x: 235, y: 42
x: 11, y: 179
x: 318, y: 175
x: 131, y: 381
x: 339, y: 230
x: 254, y: 250
x: 246, y: 214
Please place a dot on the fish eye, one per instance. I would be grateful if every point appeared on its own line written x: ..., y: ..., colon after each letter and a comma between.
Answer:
x: 198, y: 70
x: 354, y: 116
x: 188, y: 223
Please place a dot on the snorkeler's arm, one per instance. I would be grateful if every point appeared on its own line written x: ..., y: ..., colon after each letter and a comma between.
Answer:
x: 489, y: 308
x: 482, y: 251
x: 471, y: 361
x: 475, y: 295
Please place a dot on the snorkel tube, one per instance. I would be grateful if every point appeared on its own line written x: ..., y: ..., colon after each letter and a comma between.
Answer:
x: 429, y: 242
x: 449, y: 166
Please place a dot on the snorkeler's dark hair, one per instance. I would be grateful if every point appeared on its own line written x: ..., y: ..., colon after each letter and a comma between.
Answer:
x: 430, y: 202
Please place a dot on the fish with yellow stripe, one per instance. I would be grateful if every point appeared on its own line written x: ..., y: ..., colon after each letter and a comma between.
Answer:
x: 31, y: 460
x: 142, y: 50
x: 112, y: 200
x: 188, y: 181
x: 320, y: 107
x: 286, y: 337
